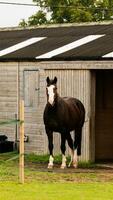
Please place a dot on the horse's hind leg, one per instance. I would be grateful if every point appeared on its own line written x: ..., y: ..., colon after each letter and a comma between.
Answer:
x: 77, y: 146
x: 63, y: 149
x: 50, y: 146
x: 70, y: 143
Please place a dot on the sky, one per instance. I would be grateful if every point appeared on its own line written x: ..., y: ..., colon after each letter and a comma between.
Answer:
x: 11, y: 15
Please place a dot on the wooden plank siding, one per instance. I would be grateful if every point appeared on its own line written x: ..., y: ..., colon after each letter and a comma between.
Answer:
x: 8, y: 97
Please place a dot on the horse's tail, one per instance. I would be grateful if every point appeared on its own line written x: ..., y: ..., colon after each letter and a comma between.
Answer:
x: 78, y: 130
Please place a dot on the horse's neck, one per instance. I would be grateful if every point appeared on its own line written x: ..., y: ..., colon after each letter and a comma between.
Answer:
x: 59, y: 102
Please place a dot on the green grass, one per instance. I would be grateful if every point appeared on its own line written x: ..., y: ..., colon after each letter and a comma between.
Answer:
x: 6, y: 157
x: 42, y: 158
x: 55, y: 191
x: 41, y: 184
x: 57, y: 160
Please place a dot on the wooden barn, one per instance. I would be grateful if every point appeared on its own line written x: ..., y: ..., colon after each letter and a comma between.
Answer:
x: 81, y: 56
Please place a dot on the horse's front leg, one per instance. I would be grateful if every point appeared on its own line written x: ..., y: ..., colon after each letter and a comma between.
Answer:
x: 50, y: 146
x: 63, y: 149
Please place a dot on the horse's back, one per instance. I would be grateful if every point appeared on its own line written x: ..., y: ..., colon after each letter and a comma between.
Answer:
x: 76, y: 107
x: 74, y: 102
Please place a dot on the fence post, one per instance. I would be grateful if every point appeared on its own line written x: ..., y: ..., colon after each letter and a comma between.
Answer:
x: 21, y: 146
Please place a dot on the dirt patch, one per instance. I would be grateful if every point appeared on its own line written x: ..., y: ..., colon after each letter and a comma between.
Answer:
x: 98, y: 174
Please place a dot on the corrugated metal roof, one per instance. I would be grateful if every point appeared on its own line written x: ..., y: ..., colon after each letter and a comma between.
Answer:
x: 58, y: 43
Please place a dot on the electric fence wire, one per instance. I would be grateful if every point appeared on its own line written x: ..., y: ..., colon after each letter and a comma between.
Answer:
x: 63, y: 6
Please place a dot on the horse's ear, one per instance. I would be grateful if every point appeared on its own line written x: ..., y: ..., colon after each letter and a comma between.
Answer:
x: 55, y: 80
x: 47, y: 80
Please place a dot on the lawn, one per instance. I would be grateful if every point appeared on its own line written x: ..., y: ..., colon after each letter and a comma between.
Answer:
x: 86, y: 183
x: 55, y: 191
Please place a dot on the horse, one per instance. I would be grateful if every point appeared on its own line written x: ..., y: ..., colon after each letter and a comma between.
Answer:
x: 63, y: 115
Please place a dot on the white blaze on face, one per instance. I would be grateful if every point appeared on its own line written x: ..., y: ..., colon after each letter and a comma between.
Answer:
x: 51, y: 94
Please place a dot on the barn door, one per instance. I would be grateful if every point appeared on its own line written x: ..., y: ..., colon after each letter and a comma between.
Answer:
x: 31, y: 101
x: 31, y: 88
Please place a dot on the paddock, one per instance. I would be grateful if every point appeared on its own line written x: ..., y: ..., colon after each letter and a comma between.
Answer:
x: 88, y: 79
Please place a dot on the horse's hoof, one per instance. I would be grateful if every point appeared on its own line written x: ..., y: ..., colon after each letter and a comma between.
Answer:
x: 75, y: 165
x: 50, y: 167
x: 62, y: 166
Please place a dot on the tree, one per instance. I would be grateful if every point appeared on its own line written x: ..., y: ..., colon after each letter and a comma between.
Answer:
x: 23, y: 23
x: 71, y: 11
x: 63, y: 11
x: 36, y: 19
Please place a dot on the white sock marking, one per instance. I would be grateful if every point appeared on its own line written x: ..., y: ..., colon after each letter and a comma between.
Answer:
x: 75, y: 155
x: 75, y: 159
x: 51, y: 159
x: 72, y: 154
x: 63, y: 165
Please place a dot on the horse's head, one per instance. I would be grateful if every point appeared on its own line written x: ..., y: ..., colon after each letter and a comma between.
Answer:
x: 51, y: 90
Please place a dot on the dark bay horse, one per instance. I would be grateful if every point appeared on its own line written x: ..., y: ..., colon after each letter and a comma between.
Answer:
x: 63, y: 115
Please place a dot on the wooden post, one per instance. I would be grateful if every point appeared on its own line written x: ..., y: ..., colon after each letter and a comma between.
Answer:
x: 21, y: 160
x: 18, y: 108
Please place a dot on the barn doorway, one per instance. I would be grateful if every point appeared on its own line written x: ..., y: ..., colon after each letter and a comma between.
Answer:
x: 104, y: 116
x: 31, y: 92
